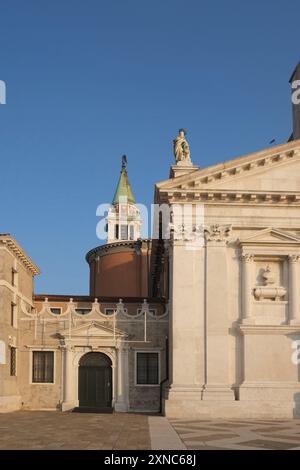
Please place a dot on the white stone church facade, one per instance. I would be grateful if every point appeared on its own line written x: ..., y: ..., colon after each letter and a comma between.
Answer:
x: 193, y: 330
x: 234, y: 303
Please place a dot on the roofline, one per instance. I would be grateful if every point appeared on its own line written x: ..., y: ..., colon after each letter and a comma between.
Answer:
x: 106, y: 247
x: 7, y: 240
x: 129, y: 193
x: 88, y: 298
x: 234, y: 161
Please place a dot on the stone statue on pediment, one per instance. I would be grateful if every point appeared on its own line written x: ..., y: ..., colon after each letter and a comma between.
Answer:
x: 181, y: 148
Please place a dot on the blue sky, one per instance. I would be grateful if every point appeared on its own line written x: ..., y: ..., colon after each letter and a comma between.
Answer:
x: 88, y: 81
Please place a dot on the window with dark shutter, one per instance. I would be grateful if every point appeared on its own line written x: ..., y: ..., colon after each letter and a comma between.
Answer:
x: 147, y: 368
x: 12, y: 314
x: 13, y: 277
x: 42, y: 366
x: 13, y: 361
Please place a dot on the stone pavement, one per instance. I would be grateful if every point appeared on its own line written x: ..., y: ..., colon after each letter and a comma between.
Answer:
x: 239, y: 434
x: 56, y: 431
x: 120, y: 431
x: 163, y: 436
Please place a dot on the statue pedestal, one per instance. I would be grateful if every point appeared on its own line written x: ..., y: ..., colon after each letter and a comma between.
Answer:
x: 182, y: 168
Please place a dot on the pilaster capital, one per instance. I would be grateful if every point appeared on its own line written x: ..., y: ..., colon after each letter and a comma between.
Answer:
x: 293, y: 258
x: 217, y: 233
x: 247, y: 257
x: 186, y: 232
x: 67, y: 346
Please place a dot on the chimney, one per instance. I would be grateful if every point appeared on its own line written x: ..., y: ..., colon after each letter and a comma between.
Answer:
x: 295, y: 86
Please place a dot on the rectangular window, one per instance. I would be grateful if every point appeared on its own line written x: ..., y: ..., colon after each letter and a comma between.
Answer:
x: 13, y: 314
x: 42, y: 366
x: 147, y: 368
x: 55, y: 310
x: 13, y: 361
x: 124, y: 232
x: 131, y: 229
x: 82, y: 311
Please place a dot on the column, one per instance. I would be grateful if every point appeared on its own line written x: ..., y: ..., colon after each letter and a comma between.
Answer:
x: 247, y: 273
x: 121, y: 401
x: 294, y: 313
x: 68, y: 381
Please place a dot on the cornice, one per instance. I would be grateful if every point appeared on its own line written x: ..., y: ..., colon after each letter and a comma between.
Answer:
x: 110, y: 247
x: 234, y: 197
x: 202, y: 185
x: 7, y: 241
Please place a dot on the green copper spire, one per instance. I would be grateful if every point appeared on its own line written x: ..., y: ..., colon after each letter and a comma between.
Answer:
x: 123, y: 188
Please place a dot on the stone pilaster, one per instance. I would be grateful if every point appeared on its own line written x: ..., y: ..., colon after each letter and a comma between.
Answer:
x: 294, y: 291
x: 247, y: 281
x: 217, y: 385
x: 68, y: 380
x: 121, y: 403
x: 186, y: 368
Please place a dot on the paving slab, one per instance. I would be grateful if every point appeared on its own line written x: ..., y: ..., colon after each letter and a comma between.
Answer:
x: 163, y: 436
x: 238, y: 435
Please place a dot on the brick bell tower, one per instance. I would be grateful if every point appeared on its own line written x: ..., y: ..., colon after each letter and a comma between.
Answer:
x: 124, y: 218
x: 120, y: 267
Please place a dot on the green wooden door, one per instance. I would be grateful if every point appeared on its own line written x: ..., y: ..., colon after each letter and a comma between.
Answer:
x: 95, y: 384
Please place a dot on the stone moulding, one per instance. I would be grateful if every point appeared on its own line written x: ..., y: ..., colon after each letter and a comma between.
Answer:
x: 267, y: 292
x: 268, y: 329
x: 232, y: 197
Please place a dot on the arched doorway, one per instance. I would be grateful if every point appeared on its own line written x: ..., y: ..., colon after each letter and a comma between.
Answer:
x: 95, y: 381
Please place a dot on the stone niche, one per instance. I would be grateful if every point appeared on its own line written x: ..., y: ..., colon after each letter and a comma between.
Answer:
x: 269, y: 277
x: 270, y: 290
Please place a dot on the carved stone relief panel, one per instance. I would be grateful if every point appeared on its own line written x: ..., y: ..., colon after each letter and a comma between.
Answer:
x: 270, y: 280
